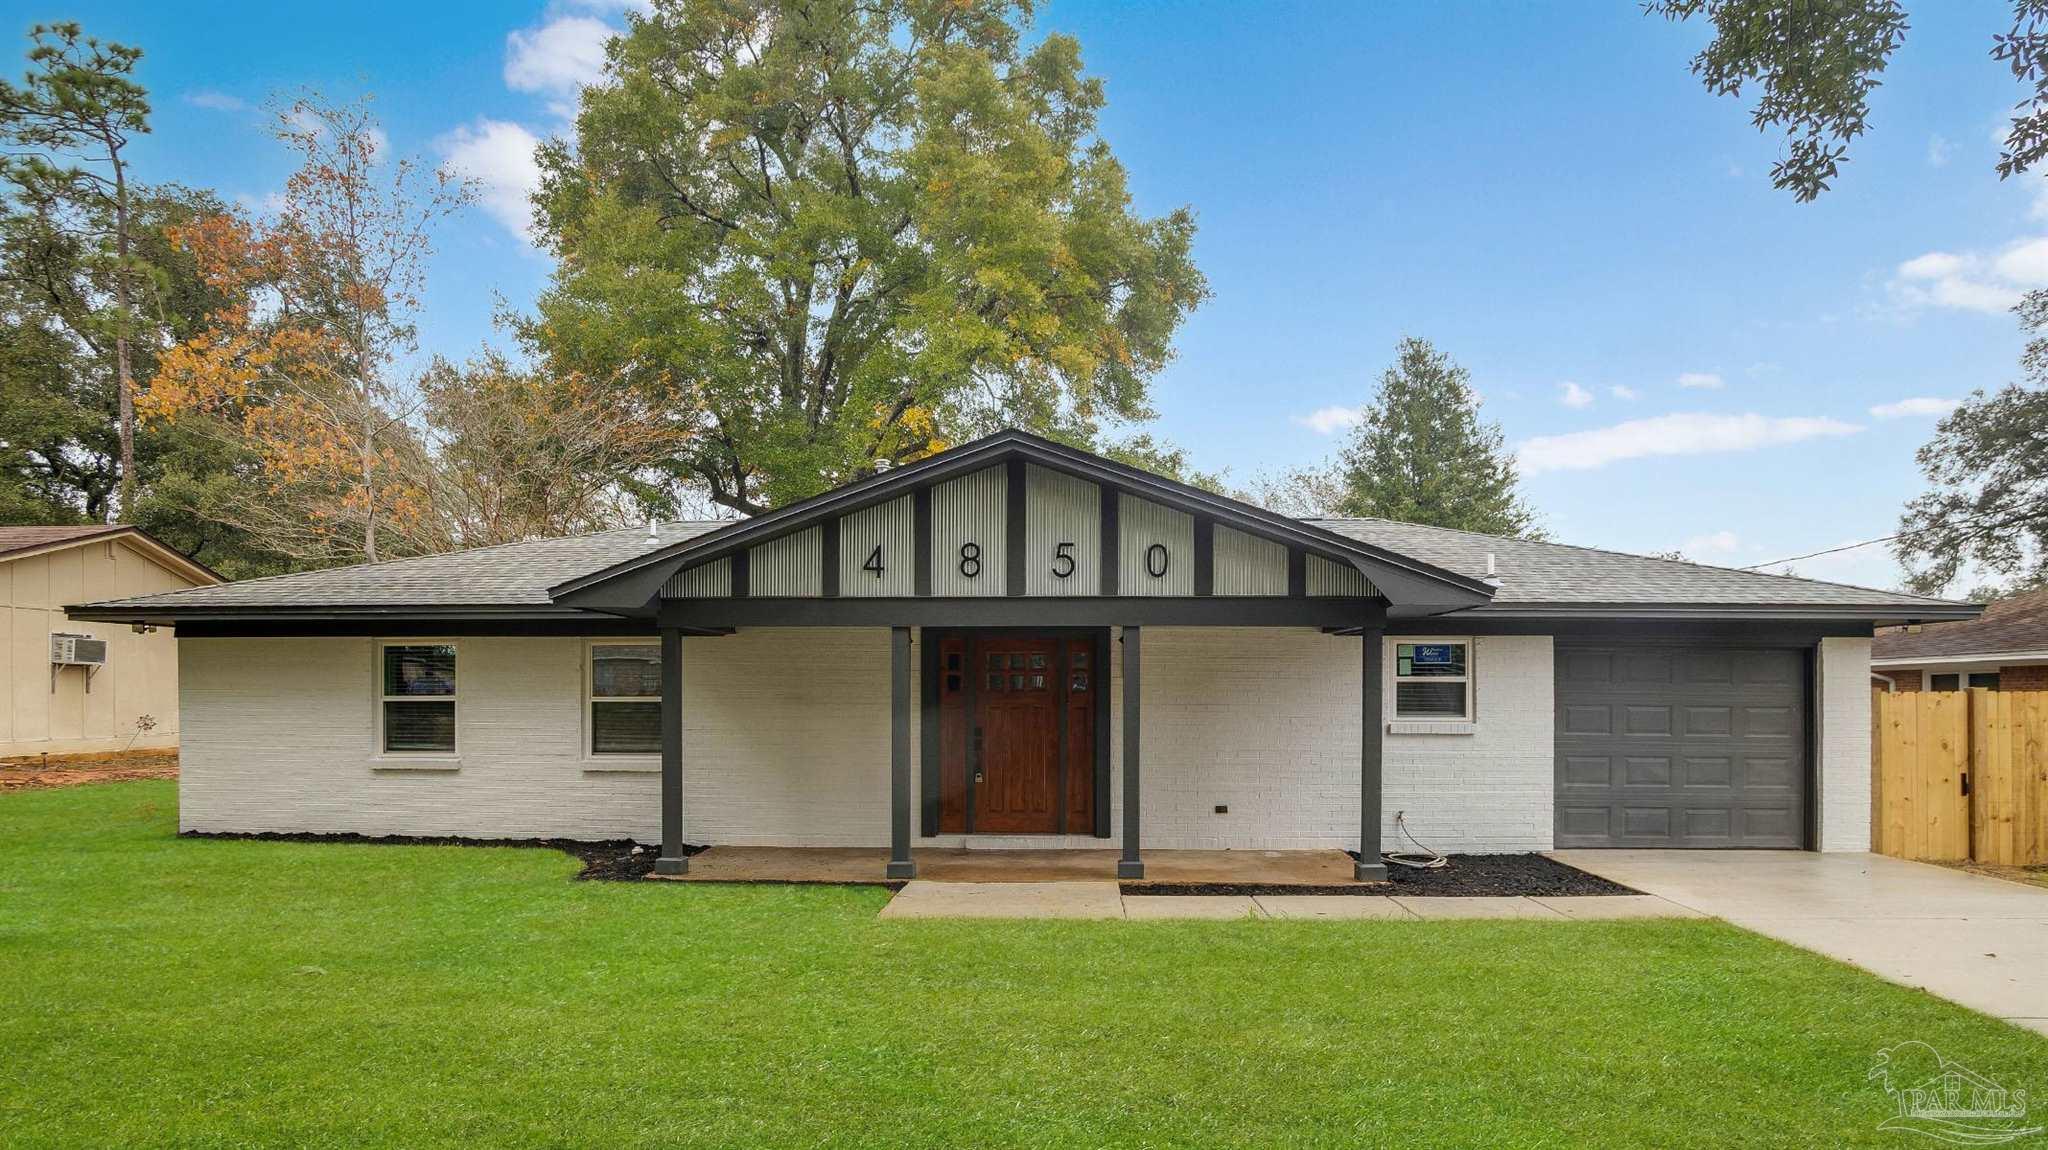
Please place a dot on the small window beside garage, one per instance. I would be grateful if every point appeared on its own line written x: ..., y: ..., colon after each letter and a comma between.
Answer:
x: 625, y: 698
x: 417, y: 689
x: 1944, y: 682
x: 1433, y: 680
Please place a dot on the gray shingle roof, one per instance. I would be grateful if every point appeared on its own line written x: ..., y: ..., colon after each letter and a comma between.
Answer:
x: 506, y: 576
x: 518, y: 575
x: 1556, y: 573
x: 2019, y: 623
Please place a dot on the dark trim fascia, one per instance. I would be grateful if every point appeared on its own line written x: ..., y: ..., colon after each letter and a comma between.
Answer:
x: 1035, y: 613
x: 1777, y: 633
x: 600, y: 626
x: 1881, y: 615
x: 102, y: 613
x: 1392, y: 570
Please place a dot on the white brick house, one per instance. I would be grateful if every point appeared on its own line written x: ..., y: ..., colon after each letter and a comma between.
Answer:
x: 1002, y: 644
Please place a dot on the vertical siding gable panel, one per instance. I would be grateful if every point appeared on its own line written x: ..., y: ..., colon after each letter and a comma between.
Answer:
x: 890, y: 526
x: 1337, y: 580
x: 971, y: 510
x: 1248, y: 564
x: 790, y: 567
x: 1059, y: 508
x: 1143, y: 526
x: 711, y: 580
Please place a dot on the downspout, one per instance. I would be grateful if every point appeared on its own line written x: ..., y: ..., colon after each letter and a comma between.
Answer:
x: 1889, y: 686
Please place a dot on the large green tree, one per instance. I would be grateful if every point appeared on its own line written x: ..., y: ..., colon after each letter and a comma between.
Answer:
x: 1421, y: 454
x: 835, y: 235
x: 64, y: 135
x: 1815, y: 63
x: 1987, y: 473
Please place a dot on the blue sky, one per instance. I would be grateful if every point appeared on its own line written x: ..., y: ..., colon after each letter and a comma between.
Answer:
x: 1686, y: 357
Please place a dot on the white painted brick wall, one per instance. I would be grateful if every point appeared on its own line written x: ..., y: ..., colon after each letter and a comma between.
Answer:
x: 1842, y: 704
x: 787, y: 744
x: 1266, y: 722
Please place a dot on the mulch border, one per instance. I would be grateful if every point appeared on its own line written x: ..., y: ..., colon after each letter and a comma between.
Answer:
x: 627, y: 860
x: 604, y: 860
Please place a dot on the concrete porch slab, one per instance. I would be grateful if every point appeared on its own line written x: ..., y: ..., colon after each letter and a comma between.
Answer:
x: 953, y: 865
x: 923, y: 899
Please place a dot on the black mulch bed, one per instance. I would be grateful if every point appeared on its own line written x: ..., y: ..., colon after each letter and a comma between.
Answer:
x: 610, y: 860
x: 1467, y: 875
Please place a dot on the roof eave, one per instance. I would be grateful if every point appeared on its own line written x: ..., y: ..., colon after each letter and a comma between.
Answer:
x: 1948, y: 658
x: 1881, y: 614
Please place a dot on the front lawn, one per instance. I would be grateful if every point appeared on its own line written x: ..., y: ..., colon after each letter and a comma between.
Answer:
x: 154, y: 990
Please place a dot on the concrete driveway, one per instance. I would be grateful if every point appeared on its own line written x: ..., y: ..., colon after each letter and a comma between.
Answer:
x: 1982, y: 942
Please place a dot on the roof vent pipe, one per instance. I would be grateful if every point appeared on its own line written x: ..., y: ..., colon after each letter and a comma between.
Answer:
x: 1491, y: 575
x: 653, y: 536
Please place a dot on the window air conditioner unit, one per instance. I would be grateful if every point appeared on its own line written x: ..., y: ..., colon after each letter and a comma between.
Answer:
x: 77, y: 650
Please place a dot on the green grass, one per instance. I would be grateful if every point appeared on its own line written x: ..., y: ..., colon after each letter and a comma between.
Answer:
x: 159, y: 991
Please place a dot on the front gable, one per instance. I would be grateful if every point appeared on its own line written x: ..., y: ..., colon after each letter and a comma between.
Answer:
x: 1015, y: 517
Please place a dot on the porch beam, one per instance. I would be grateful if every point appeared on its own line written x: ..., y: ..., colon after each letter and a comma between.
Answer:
x: 1077, y: 611
x: 1131, y: 865
x: 1371, y: 750
x: 900, y: 864
x: 672, y: 859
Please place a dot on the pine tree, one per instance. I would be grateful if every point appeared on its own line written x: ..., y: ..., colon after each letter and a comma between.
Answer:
x: 1421, y: 454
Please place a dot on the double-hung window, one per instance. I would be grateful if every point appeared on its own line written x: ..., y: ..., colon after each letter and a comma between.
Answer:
x: 625, y: 699
x: 1433, y: 680
x: 417, y: 697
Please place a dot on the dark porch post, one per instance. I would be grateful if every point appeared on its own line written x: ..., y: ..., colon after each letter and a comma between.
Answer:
x: 1371, y: 736
x: 672, y: 860
x: 1131, y: 866
x: 900, y: 864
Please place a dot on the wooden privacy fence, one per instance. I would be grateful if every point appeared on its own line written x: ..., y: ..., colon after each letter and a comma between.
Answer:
x: 1961, y: 775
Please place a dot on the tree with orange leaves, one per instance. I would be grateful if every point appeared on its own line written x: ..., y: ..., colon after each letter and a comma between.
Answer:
x: 298, y: 370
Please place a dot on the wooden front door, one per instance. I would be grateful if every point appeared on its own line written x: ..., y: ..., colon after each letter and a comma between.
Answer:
x: 1017, y: 733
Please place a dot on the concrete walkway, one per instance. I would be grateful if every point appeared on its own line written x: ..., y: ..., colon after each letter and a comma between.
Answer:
x: 924, y: 899
x: 1978, y: 941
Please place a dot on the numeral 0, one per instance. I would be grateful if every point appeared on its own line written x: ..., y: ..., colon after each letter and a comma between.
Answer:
x: 1155, y: 560
x: 970, y: 560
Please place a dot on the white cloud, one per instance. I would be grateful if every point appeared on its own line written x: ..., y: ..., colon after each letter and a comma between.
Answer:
x: 498, y: 155
x: 557, y: 58
x: 1329, y: 420
x: 1572, y: 395
x: 217, y: 101
x: 1716, y: 543
x: 1621, y: 392
x: 1700, y: 380
x: 1918, y: 405
x: 1684, y: 433
x: 1972, y: 281
x: 1939, y: 150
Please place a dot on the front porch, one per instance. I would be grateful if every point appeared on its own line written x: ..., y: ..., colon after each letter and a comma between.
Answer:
x: 1252, y: 868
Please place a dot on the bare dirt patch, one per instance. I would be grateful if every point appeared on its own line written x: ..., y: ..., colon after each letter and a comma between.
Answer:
x: 2036, y: 875
x: 77, y: 770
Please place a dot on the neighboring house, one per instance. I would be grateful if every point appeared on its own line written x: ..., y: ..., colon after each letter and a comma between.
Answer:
x: 81, y: 706
x: 2006, y: 649
x: 1015, y: 643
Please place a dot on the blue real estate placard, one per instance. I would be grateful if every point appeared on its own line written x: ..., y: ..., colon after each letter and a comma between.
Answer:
x: 1435, y: 654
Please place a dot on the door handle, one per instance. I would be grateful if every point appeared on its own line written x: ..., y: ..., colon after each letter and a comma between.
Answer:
x: 977, y: 754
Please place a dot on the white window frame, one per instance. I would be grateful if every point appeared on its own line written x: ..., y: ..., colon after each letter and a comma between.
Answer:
x: 1962, y: 672
x: 1398, y: 723
x: 627, y: 760
x: 427, y: 759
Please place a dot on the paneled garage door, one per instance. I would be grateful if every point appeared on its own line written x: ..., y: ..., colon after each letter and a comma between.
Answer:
x: 1681, y: 746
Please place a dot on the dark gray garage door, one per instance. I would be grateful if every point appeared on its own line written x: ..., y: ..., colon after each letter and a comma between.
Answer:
x: 1681, y: 746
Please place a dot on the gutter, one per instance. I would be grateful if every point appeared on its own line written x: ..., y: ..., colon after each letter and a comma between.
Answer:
x: 1958, y: 660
